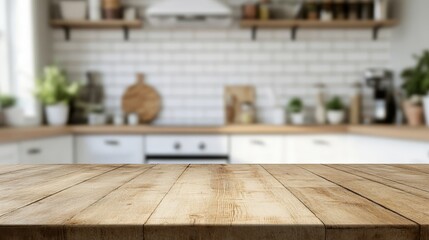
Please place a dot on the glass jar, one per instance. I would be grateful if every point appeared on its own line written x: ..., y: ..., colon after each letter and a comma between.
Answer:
x: 247, y: 113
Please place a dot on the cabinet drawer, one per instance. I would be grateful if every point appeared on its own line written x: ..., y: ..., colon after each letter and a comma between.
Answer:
x: 9, y: 154
x: 256, y: 149
x: 316, y: 149
x: 110, y: 149
x: 186, y: 145
x: 58, y: 150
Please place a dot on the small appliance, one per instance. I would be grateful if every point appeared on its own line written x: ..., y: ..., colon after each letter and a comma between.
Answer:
x: 381, y: 80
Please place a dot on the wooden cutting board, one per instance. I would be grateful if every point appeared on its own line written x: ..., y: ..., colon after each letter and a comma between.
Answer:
x: 142, y: 99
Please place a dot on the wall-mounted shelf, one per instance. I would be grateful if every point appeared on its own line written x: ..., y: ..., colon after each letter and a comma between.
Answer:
x: 294, y: 25
x: 125, y: 25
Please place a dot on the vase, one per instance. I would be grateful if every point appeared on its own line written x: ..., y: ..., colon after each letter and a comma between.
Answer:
x: 73, y: 10
x: 335, y: 117
x: 58, y: 114
x: 413, y: 113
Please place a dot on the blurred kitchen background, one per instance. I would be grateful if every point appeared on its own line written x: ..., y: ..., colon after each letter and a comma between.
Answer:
x: 191, y: 66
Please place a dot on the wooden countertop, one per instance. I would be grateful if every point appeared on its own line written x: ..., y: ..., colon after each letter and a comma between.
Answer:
x: 403, y: 132
x: 157, y: 202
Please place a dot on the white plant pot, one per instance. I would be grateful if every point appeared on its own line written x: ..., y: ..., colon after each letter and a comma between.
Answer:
x: 426, y: 109
x: 297, y: 118
x: 335, y: 117
x: 73, y: 10
x: 14, y: 117
x: 58, y: 114
x: 278, y: 116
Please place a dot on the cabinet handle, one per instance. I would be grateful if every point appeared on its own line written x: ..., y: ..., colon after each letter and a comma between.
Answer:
x: 258, y: 142
x: 321, y: 142
x: 177, y: 146
x: 34, y: 151
x: 202, y: 146
x: 112, y: 142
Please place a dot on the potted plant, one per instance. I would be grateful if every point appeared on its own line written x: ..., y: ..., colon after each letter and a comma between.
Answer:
x: 311, y: 9
x: 296, y: 110
x: 97, y: 116
x: 416, y: 86
x: 9, y: 111
x: 55, y: 93
x: 335, y: 108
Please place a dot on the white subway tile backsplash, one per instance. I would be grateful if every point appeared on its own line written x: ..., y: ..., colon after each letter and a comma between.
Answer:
x: 191, y: 67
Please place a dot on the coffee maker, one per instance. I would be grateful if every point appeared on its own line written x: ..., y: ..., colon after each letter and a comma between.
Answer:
x: 381, y: 80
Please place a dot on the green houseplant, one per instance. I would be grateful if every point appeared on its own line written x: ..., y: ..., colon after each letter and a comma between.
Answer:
x: 416, y: 87
x: 54, y: 91
x: 335, y: 108
x: 296, y: 109
x: 7, y: 101
x: 8, y: 110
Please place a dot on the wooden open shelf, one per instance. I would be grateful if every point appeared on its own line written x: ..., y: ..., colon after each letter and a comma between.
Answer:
x: 125, y: 25
x: 294, y: 25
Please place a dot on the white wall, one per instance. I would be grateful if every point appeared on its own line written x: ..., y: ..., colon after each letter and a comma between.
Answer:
x: 412, y: 35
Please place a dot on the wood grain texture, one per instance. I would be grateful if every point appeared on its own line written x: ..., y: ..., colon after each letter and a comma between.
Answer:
x: 156, y: 202
x: 402, y: 202
x: 345, y: 214
x: 231, y: 202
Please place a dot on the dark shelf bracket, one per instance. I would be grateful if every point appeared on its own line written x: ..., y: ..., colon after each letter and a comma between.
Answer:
x: 67, y: 33
x: 254, y: 33
x: 293, y: 33
x: 126, y: 33
x: 375, y: 32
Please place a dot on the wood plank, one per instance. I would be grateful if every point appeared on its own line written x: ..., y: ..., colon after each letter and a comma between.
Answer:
x: 387, y: 182
x: 316, y: 24
x: 134, y: 202
x: 398, y: 132
x: 97, y: 24
x: 55, y: 210
x: 32, y: 171
x: 407, y: 177
x: 345, y: 214
x: 413, y: 207
x: 424, y: 168
x: 231, y: 202
x: 5, y: 169
x: 21, y: 192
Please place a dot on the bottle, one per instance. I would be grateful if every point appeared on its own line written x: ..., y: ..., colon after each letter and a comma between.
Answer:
x: 355, y: 112
x: 264, y: 10
x: 320, y: 113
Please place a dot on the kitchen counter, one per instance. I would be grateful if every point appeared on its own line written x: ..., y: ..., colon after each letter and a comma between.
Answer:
x: 402, y: 132
x: 294, y: 202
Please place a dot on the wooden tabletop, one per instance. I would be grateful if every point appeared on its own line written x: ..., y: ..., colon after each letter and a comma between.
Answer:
x: 157, y: 202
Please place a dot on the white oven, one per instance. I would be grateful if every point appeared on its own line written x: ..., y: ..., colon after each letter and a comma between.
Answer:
x: 187, y: 149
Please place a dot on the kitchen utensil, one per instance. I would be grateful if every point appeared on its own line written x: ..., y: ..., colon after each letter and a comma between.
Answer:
x: 143, y: 100
x: 73, y: 10
x: 240, y: 95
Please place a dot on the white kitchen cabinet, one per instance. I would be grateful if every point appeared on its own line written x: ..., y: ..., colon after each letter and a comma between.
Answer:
x: 377, y: 150
x: 55, y: 150
x: 316, y: 149
x: 9, y: 153
x: 110, y: 149
x: 257, y: 149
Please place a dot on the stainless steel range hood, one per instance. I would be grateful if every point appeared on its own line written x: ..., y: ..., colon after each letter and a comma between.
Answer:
x: 189, y: 13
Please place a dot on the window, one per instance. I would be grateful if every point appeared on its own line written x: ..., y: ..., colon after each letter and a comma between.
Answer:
x: 4, y: 50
